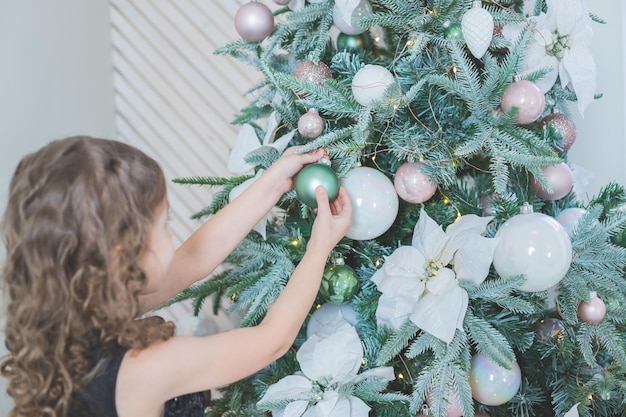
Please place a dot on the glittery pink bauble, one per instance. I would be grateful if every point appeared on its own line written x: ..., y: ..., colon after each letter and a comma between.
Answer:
x: 453, y: 409
x: 412, y: 185
x: 592, y: 311
x: 528, y: 99
x: 309, y: 71
x: 254, y: 21
x: 564, y: 125
x: 559, y: 177
x: 310, y: 124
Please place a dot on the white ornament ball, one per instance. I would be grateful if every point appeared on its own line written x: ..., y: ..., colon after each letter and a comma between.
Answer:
x: 347, y: 21
x: 412, y: 185
x: 535, y: 245
x: 329, y: 313
x: 310, y: 124
x: 374, y: 203
x: 477, y: 27
x: 570, y: 217
x: 254, y: 21
x: 370, y: 83
x: 559, y: 177
x: 491, y: 383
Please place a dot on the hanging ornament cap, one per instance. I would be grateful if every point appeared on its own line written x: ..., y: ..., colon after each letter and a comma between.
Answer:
x: 526, y: 208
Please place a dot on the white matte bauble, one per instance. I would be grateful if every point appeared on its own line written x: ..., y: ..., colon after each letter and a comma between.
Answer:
x: 374, y: 202
x: 570, y: 217
x: 534, y: 245
x: 370, y: 83
x: 347, y: 20
x: 254, y: 21
x: 412, y: 184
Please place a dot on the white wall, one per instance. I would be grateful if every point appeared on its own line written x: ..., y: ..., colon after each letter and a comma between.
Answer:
x: 600, y: 145
x: 56, y: 80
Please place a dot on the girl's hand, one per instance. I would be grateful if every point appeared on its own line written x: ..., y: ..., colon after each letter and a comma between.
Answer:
x: 333, y: 219
x: 284, y: 170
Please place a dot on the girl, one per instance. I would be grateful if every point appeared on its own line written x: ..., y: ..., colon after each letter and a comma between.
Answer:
x: 89, y: 250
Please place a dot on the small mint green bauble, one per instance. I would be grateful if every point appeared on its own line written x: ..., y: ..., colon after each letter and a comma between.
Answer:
x: 453, y: 32
x: 354, y: 43
x: 312, y: 176
x: 339, y: 284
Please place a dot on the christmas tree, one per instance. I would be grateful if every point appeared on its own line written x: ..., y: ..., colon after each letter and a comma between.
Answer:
x: 474, y: 281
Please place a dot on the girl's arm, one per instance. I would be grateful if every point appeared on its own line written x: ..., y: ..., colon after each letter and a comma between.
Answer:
x: 208, y: 246
x: 186, y: 364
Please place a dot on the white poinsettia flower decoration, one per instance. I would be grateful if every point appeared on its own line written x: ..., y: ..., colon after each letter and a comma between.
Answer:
x: 329, y: 361
x: 247, y: 142
x: 421, y: 282
x: 562, y: 41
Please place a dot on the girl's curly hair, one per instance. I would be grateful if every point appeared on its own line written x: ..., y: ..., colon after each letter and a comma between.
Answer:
x: 80, y: 211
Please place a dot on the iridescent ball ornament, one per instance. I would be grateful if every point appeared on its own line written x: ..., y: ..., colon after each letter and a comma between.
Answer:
x: 312, y: 176
x: 328, y: 313
x: 370, y: 83
x: 559, y: 177
x: 534, y: 245
x: 592, y: 311
x: 564, y: 125
x: 453, y: 407
x: 491, y: 383
x: 412, y: 184
x: 310, y: 124
x: 348, y: 21
x: 339, y: 283
x: 374, y: 202
x: 570, y: 217
x: 254, y: 21
x: 312, y: 72
x: 526, y: 97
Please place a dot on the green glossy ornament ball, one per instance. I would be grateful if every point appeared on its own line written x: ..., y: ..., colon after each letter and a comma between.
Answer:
x: 339, y: 284
x: 312, y: 176
x: 453, y: 32
x: 354, y: 43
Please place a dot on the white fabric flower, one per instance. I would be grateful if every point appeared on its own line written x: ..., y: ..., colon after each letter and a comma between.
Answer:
x: 246, y: 142
x: 562, y: 41
x: 330, y: 362
x: 420, y: 282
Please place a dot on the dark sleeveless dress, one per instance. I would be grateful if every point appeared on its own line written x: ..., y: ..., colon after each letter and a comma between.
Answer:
x: 98, y: 397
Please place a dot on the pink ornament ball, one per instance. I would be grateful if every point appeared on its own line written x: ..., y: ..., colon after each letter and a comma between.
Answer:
x: 453, y: 409
x: 310, y: 124
x: 254, y: 21
x: 564, y: 125
x: 559, y: 177
x: 592, y: 311
x: 527, y: 97
x: 412, y: 185
x: 311, y: 72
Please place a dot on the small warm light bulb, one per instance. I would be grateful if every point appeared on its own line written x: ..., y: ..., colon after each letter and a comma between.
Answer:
x: 410, y: 43
x: 363, y: 361
x: 446, y: 200
x: 295, y: 241
x: 400, y: 375
x: 454, y: 70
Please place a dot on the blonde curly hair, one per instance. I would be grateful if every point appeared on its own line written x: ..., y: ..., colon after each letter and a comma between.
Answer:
x: 80, y: 211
